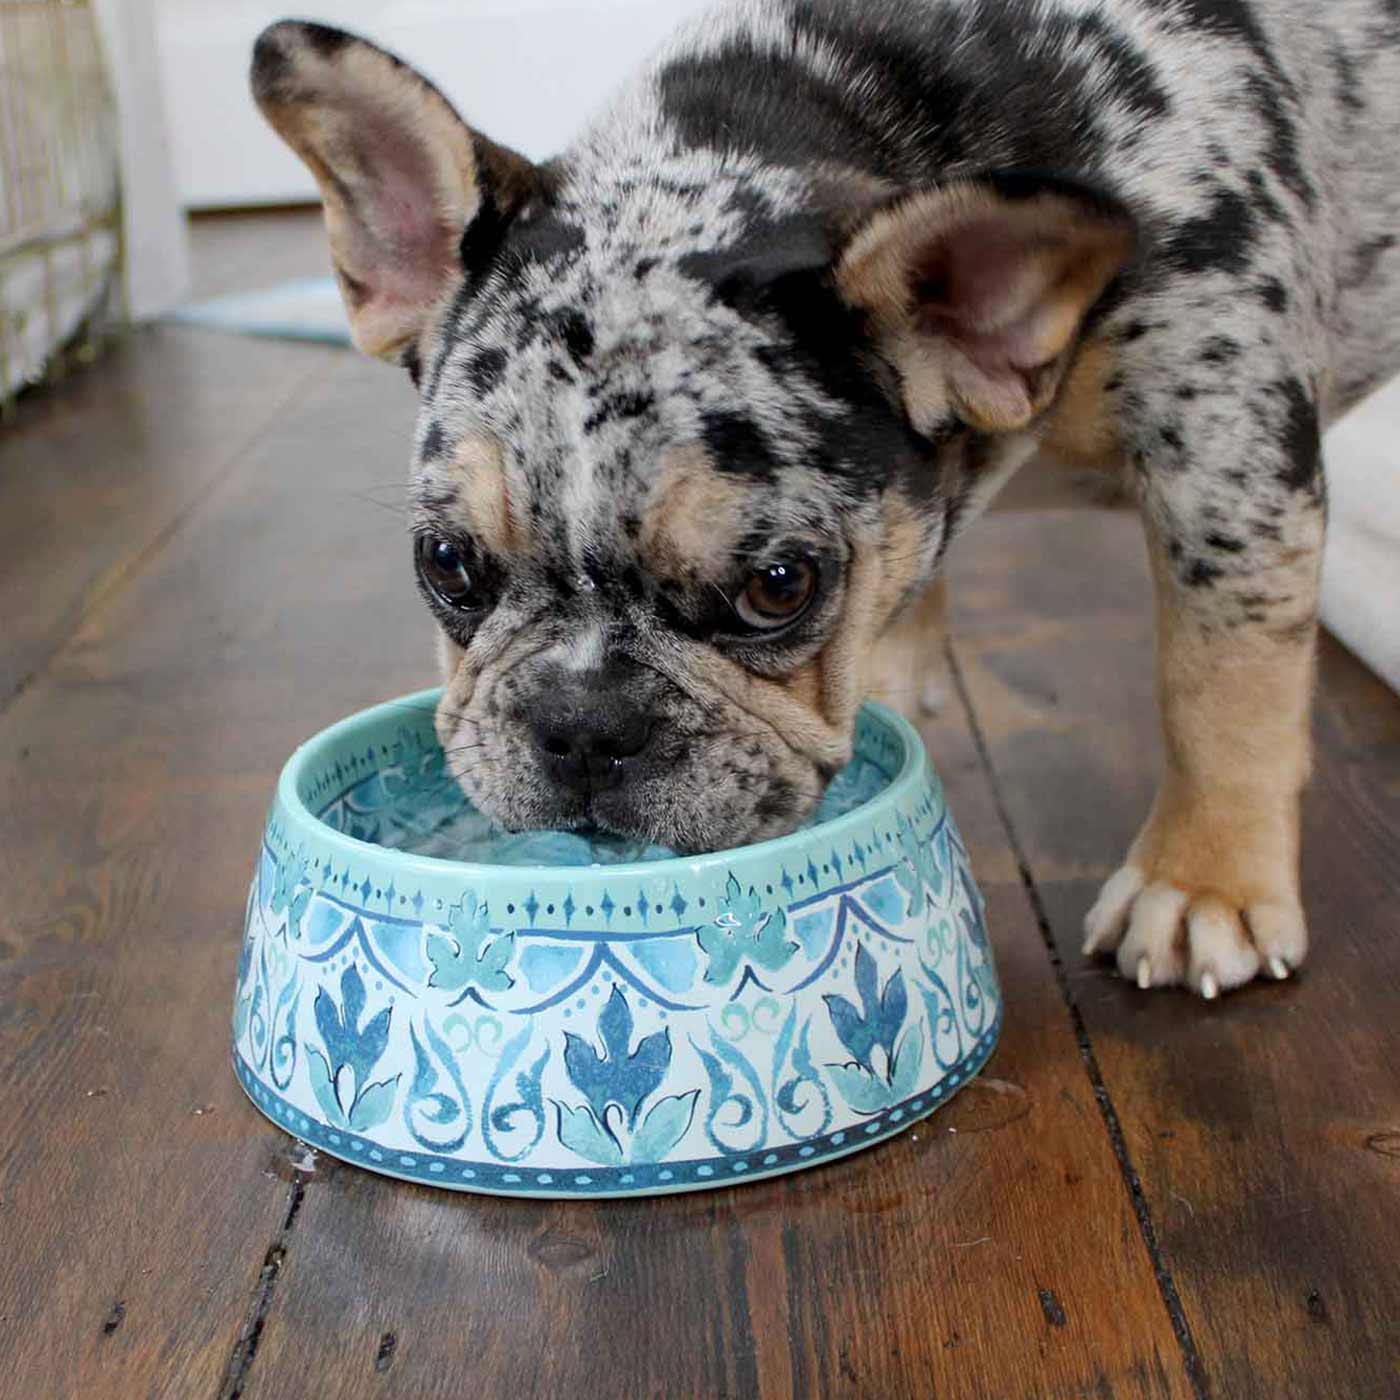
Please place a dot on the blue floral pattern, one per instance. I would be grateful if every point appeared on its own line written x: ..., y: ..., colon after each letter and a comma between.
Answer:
x: 871, y: 1081
x: 437, y: 1117
x: 621, y: 1078
x: 745, y: 933
x: 468, y: 955
x: 645, y: 1035
x: 341, y: 1067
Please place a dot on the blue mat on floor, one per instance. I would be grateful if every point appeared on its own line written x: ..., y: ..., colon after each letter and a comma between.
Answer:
x: 307, y: 308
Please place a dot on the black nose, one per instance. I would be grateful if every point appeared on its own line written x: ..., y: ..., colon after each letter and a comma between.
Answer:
x: 588, y: 745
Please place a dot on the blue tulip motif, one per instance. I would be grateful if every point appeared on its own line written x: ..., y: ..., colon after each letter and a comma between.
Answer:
x: 340, y: 1077
x: 610, y: 1128
x: 874, y: 1081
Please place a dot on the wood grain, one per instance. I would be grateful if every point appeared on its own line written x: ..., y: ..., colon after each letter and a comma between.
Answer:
x: 1258, y: 1126
x: 201, y: 562
x: 992, y: 1251
x: 166, y: 1240
x: 99, y: 468
x: 140, y: 1199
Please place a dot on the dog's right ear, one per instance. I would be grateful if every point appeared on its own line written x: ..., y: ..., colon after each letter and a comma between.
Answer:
x: 404, y: 181
x: 978, y: 291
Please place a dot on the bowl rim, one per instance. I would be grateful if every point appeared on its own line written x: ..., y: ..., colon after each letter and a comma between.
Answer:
x: 915, y: 773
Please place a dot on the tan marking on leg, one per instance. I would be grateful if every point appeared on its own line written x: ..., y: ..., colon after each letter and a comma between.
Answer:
x: 1222, y: 837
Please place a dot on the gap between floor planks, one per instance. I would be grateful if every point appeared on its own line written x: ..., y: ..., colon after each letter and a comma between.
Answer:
x: 200, y: 494
x: 263, y: 1299
x: 1113, y: 1127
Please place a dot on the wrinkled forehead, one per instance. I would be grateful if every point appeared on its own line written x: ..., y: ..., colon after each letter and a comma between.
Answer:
x: 566, y: 400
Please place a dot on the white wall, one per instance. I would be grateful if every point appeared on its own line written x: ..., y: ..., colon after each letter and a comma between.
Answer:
x: 156, y: 259
x: 1361, y: 575
x: 526, y: 72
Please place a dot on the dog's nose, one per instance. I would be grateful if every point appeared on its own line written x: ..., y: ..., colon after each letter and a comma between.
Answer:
x: 590, y: 749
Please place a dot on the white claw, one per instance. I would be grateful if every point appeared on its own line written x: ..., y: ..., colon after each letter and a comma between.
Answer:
x: 1210, y: 988
x: 1279, y: 968
x: 1144, y: 978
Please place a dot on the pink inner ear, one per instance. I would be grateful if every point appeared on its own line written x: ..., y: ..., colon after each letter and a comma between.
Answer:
x: 986, y: 288
x: 399, y: 189
x: 398, y: 245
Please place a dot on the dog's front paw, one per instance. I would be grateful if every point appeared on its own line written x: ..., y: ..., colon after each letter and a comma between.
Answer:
x: 1189, y: 907
x: 916, y: 698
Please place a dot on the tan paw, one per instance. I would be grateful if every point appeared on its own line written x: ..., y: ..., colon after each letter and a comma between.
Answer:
x: 909, y: 669
x: 913, y: 695
x: 937, y: 686
x: 1165, y: 935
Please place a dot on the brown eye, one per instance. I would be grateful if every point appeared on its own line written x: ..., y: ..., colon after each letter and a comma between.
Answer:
x: 777, y: 594
x: 442, y: 566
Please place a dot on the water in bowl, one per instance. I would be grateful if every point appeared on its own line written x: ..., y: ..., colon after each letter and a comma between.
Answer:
x: 445, y: 825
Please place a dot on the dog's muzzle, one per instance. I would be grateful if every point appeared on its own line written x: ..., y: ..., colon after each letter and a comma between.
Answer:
x: 593, y: 732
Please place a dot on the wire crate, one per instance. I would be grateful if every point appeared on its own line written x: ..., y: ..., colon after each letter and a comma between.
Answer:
x: 60, y: 200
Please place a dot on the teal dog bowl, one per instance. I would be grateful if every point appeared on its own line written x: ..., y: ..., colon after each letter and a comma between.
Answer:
x: 604, y: 1029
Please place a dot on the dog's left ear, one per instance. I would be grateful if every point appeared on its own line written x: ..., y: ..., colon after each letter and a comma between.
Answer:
x: 977, y: 292
x: 403, y: 179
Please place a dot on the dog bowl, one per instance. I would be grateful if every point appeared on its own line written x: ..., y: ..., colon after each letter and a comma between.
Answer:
x: 606, y: 1029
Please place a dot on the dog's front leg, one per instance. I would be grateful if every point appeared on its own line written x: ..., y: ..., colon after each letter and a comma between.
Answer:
x: 1209, y: 892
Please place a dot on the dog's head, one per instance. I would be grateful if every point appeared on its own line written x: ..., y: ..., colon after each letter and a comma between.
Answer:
x: 692, y: 427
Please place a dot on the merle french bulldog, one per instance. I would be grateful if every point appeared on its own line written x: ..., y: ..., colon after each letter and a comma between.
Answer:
x: 704, y: 400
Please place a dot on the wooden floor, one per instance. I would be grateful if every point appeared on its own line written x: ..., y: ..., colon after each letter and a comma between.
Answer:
x: 201, y: 562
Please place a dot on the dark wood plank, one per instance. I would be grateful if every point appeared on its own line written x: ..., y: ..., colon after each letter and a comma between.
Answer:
x: 1263, y: 1128
x: 982, y: 1260
x: 141, y: 1201
x: 991, y: 1251
x: 1001, y: 1259
x: 98, y: 468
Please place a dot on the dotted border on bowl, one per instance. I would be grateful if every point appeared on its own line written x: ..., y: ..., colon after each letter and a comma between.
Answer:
x: 640, y: 1180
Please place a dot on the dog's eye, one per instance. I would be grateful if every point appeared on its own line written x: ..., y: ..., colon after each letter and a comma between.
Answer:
x: 777, y: 594
x: 442, y: 566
